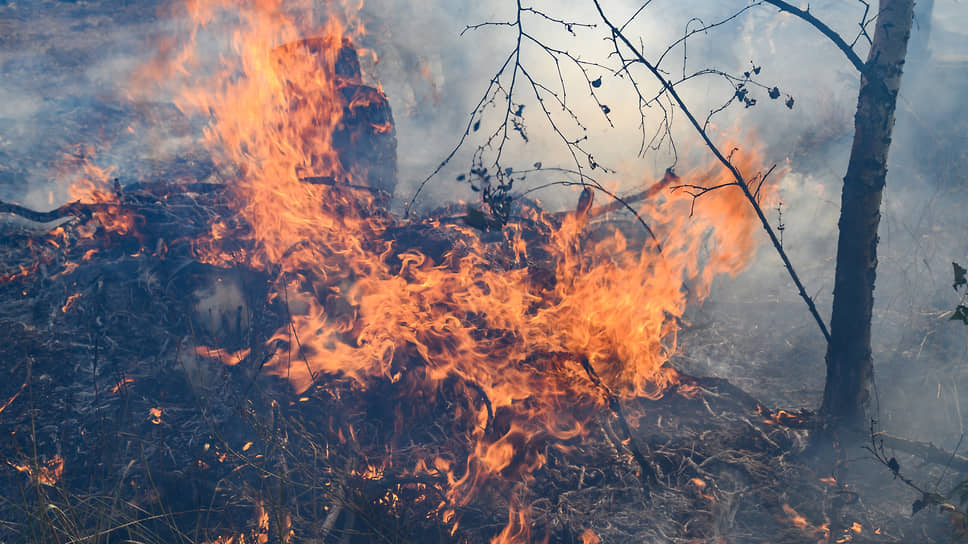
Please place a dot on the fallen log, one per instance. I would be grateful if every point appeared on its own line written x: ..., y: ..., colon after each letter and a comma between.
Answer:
x: 925, y: 450
x: 72, y: 209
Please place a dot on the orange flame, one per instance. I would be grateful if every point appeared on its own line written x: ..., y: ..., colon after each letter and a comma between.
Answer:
x: 800, y: 522
x: 589, y: 537
x: 48, y: 473
x: 94, y: 185
x: 362, y: 309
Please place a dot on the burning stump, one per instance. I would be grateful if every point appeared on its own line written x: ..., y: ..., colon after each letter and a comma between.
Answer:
x: 362, y: 132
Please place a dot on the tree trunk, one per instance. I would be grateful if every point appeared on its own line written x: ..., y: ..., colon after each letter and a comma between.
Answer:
x: 850, y: 368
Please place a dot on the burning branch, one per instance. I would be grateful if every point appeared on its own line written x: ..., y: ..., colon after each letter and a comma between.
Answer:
x: 19, y: 391
x: 624, y: 202
x: 85, y: 210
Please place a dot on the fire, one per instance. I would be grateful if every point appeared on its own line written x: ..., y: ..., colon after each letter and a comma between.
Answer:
x: 822, y: 531
x: 518, y: 528
x: 258, y: 535
x: 121, y: 385
x: 227, y: 358
x: 795, y: 518
x: 282, y: 98
x: 47, y: 473
x: 96, y: 185
x: 700, y: 486
x: 71, y: 300
x: 783, y: 417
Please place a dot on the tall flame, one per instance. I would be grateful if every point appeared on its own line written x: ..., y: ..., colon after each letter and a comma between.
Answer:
x: 364, y: 308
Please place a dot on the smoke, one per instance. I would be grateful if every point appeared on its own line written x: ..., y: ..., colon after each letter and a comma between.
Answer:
x: 65, y: 73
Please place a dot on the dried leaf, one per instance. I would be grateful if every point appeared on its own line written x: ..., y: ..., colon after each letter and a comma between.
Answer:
x: 894, y: 466
x: 959, y: 275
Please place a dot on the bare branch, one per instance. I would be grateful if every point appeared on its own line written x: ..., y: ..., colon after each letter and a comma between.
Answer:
x: 864, y: 22
x: 569, y: 25
x: 825, y: 30
x: 503, y: 86
x: 485, y: 99
x: 928, y: 452
x: 73, y: 209
x: 704, y: 28
x: 636, y: 14
x: 617, y: 36
x: 478, y: 26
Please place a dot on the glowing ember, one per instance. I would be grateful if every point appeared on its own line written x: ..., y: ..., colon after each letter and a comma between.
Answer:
x: 795, y: 518
x: 121, y: 385
x: 822, y: 531
x: 70, y: 301
x: 48, y: 473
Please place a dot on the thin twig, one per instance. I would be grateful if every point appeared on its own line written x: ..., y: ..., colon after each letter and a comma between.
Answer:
x: 618, y: 35
x: 824, y: 29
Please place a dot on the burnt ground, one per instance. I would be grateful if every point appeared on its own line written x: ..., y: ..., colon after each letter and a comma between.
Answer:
x: 84, y: 381
x: 160, y: 442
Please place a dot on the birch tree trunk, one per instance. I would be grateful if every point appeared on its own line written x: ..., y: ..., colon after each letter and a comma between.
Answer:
x: 846, y: 399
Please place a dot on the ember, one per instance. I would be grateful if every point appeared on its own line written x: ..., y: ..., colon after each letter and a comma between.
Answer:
x: 48, y: 473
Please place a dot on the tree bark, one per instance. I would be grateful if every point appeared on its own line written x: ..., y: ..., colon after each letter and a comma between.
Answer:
x: 850, y: 368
